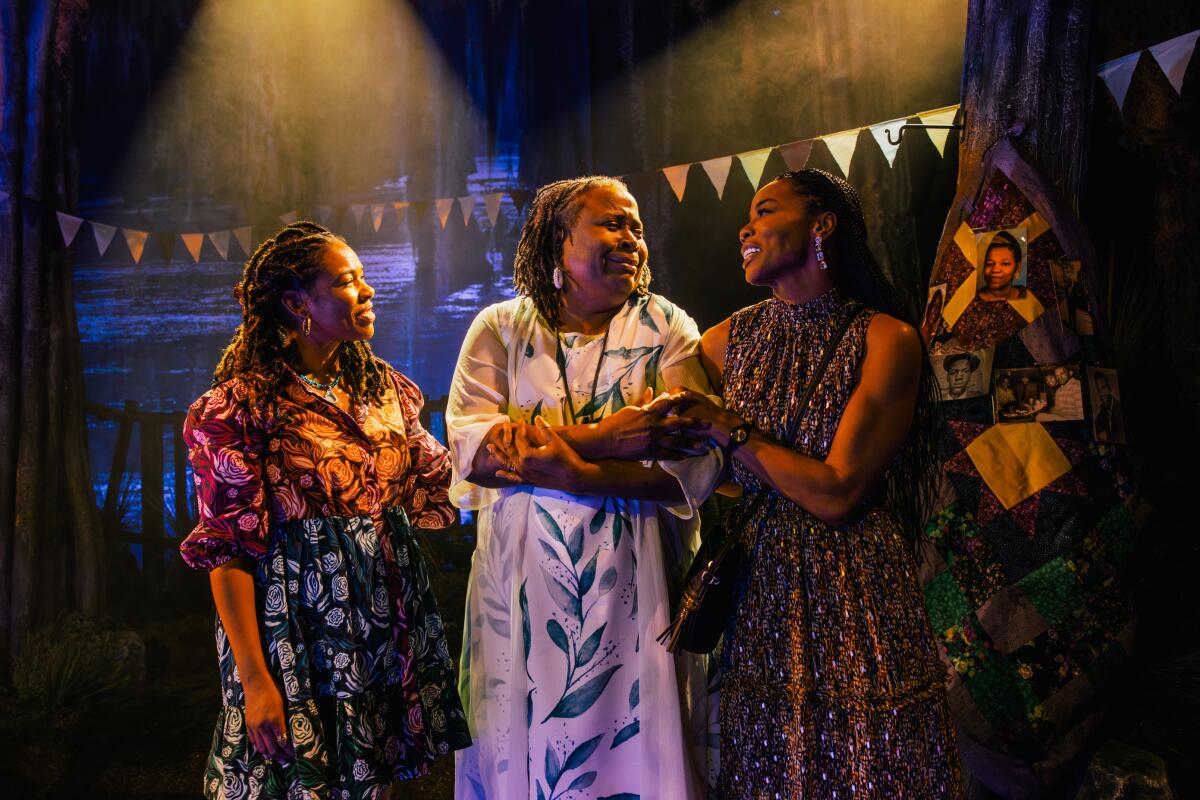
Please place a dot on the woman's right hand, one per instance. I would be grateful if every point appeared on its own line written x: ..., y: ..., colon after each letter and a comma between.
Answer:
x: 653, y: 431
x: 266, y: 724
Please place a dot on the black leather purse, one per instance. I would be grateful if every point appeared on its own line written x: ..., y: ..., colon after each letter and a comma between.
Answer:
x: 707, y: 602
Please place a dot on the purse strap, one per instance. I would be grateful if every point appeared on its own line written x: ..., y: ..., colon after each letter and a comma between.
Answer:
x: 734, y: 531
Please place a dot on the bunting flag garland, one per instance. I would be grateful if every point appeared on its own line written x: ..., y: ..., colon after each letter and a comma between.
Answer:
x: 796, y: 154
x: 491, y: 204
x: 753, y: 163
x: 444, y: 204
x: 1117, y: 74
x: 136, y: 240
x: 885, y: 133
x: 400, y: 209
x: 193, y: 242
x: 289, y: 217
x: 377, y: 216
x: 677, y: 177
x: 1173, y: 57
x: 466, y: 205
x: 220, y: 240
x: 165, y: 241
x: 357, y: 210
x: 841, y: 147
x: 68, y: 225
x: 520, y: 198
x: 104, y: 235
x: 243, y: 239
x: 324, y: 213
x: 718, y: 172
x: 939, y: 136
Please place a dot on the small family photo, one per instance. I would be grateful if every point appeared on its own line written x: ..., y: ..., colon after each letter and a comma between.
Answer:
x: 1002, y: 266
x: 1038, y: 394
x: 932, y: 318
x: 961, y: 376
x: 1074, y: 309
x: 1108, y: 426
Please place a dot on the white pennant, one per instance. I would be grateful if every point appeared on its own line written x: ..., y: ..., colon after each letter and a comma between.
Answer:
x: 69, y: 226
x: 753, y: 163
x: 467, y: 204
x: 357, y: 211
x: 841, y: 145
x: 289, y: 217
x: 718, y: 172
x: 104, y: 235
x: 491, y: 204
x: 881, y: 131
x: 324, y: 213
x: 1174, y: 55
x: 244, y: 238
x: 677, y: 177
x: 220, y: 240
x: 1116, y: 75
x: 939, y: 135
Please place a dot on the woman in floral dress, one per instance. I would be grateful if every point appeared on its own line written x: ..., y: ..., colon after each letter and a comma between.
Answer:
x: 568, y: 694
x: 311, y: 470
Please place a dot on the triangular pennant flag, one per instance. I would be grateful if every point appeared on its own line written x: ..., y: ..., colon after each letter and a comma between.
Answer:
x: 753, y: 163
x: 718, y: 172
x: 1174, y: 55
x: 491, y: 204
x: 882, y: 131
x: 193, y: 242
x: 357, y: 211
x: 939, y: 136
x: 324, y: 213
x: 377, y: 216
x: 69, y: 226
x: 220, y: 240
x: 677, y: 177
x: 137, y: 243
x: 104, y: 235
x: 243, y: 239
x: 520, y: 198
x: 466, y: 205
x: 166, y: 243
x: 795, y: 154
x: 841, y: 147
x: 444, y: 204
x: 1117, y: 74
x: 289, y: 217
x: 400, y: 209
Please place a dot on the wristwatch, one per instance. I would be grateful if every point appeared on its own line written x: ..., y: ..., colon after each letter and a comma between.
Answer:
x: 738, y: 435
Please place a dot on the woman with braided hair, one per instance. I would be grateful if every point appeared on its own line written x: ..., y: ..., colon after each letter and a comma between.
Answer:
x: 831, y: 683
x: 587, y: 490
x: 312, y: 470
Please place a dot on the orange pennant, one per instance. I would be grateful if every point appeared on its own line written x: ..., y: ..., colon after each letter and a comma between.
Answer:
x: 466, y: 205
x: 491, y: 204
x: 137, y: 243
x: 376, y: 216
x: 193, y: 242
x: 444, y: 204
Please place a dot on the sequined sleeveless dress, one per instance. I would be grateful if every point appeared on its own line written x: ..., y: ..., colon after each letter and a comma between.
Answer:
x: 832, y: 685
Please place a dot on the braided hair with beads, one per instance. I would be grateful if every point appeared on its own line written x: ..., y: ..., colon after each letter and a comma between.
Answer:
x: 552, y: 214
x: 911, y: 482
x: 262, y: 347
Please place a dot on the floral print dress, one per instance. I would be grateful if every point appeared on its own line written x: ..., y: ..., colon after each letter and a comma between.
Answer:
x: 323, y: 503
x: 568, y: 693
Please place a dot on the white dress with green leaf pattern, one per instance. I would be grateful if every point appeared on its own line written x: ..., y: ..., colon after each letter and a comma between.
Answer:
x: 567, y: 692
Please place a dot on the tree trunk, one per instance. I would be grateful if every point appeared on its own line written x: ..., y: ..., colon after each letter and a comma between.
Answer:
x: 51, y: 551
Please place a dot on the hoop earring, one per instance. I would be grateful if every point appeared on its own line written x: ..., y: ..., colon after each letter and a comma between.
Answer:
x: 557, y: 278
x: 307, y: 326
x: 820, y: 252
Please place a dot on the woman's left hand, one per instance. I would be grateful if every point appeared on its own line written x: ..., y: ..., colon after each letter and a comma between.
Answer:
x: 539, y: 456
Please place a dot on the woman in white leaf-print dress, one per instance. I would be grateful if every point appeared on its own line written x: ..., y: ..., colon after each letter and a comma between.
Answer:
x: 587, y: 499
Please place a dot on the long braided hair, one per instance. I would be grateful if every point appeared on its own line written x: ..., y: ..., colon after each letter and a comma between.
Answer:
x: 262, y: 345
x: 911, y: 482
x: 552, y: 214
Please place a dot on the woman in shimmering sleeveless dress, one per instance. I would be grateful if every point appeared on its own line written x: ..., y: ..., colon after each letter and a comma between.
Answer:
x: 832, y: 685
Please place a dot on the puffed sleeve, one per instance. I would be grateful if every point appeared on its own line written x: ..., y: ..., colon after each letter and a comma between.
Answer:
x: 424, y: 496
x: 680, y: 365
x: 478, y: 401
x: 225, y: 442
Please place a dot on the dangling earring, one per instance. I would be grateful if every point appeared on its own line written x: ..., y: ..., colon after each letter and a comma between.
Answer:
x: 820, y: 252
x: 557, y: 277
x: 307, y: 326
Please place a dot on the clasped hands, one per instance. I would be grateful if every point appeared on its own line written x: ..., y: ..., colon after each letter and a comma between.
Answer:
x: 542, y: 456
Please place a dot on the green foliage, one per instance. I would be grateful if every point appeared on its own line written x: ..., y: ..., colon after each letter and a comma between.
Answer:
x: 77, y: 661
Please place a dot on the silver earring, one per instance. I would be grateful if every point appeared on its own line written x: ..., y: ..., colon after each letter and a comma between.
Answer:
x: 557, y: 277
x: 820, y: 252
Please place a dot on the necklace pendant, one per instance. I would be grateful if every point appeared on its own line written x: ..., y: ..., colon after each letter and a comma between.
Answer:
x: 330, y: 396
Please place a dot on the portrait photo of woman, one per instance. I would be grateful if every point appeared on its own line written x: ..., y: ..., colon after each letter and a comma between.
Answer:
x: 1002, y: 266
